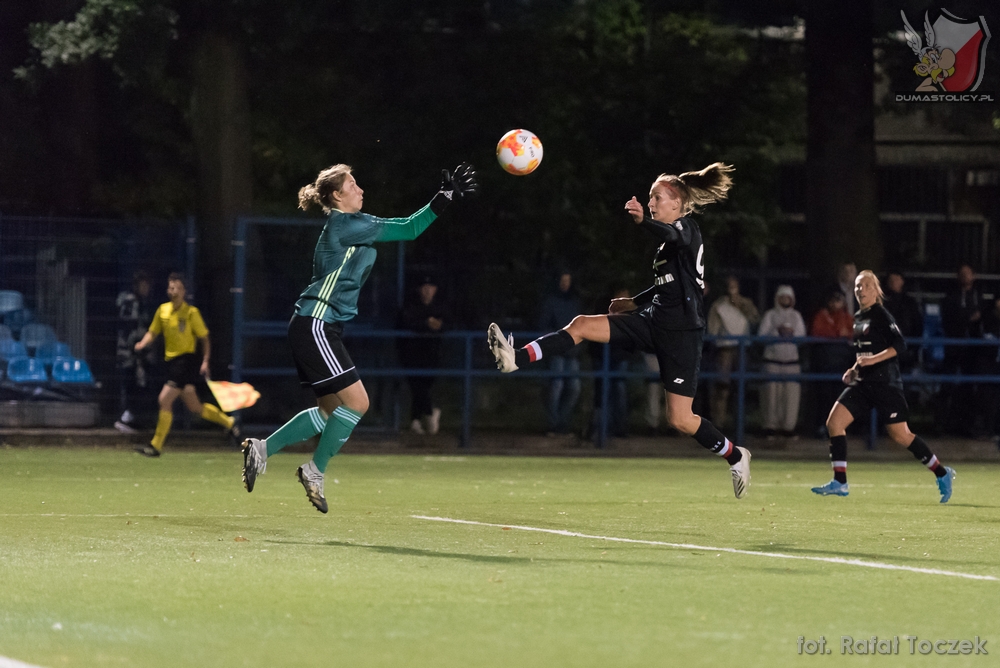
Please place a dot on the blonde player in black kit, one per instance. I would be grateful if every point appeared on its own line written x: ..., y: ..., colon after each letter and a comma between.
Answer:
x: 668, y: 319
x: 874, y: 382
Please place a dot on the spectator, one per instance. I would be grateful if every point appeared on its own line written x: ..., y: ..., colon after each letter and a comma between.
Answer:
x: 730, y: 315
x: 558, y: 310
x: 618, y: 391
x: 833, y: 322
x: 425, y: 315
x: 781, y: 399
x: 962, y: 318
x: 845, y: 279
x: 135, y: 312
x: 905, y: 310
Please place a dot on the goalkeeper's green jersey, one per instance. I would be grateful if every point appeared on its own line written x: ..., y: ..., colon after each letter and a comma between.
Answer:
x: 344, y: 257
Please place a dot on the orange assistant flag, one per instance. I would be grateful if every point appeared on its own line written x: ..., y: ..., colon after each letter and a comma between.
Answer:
x: 233, y: 396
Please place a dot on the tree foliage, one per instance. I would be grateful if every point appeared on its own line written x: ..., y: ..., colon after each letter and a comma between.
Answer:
x: 619, y: 91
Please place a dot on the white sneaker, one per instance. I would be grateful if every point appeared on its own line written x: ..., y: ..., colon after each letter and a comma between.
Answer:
x: 503, y: 348
x: 416, y: 427
x: 432, y: 422
x: 741, y: 474
x: 124, y: 428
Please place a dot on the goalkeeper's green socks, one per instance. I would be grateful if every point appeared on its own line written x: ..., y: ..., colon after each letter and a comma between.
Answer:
x: 338, y: 430
x: 300, y: 428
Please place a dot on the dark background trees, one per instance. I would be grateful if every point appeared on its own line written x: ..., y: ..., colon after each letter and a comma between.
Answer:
x: 173, y: 107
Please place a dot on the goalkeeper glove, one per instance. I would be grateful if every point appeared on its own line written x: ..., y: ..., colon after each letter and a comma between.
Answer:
x: 455, y: 185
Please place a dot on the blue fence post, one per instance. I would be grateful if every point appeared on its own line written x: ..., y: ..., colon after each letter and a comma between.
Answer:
x: 467, y: 403
x: 873, y: 431
x: 602, y: 434
x: 741, y: 393
x: 239, y: 262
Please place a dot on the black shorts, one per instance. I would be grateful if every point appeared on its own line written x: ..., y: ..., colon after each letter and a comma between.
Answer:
x: 320, y: 356
x: 678, y: 351
x: 183, y: 370
x: 860, y: 399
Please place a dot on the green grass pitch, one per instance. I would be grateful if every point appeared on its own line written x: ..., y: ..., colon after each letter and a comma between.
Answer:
x: 111, y: 559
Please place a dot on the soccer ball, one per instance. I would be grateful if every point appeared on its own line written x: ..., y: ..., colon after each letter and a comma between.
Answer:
x: 519, y: 152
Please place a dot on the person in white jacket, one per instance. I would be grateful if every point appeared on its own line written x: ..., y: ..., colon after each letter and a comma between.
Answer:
x: 781, y: 399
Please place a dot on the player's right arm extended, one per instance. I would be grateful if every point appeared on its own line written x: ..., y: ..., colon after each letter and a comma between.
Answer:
x: 406, y: 229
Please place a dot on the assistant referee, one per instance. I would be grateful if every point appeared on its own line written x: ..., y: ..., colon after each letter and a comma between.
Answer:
x: 183, y: 329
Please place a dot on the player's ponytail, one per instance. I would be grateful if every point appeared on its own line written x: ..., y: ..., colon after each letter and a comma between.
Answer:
x: 697, y: 189
x: 329, y: 181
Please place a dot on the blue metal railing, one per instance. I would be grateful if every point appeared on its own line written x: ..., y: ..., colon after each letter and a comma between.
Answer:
x: 741, y: 375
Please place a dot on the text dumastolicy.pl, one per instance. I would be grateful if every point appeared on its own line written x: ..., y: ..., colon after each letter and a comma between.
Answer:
x: 894, y: 645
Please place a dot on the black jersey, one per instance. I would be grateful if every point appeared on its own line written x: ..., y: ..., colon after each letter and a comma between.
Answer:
x: 876, y: 330
x: 677, y: 296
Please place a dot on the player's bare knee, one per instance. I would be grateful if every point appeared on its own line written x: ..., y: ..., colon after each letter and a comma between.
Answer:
x: 577, y: 328
x: 686, y: 424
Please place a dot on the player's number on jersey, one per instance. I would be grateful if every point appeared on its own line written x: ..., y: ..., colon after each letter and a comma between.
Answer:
x: 699, y: 265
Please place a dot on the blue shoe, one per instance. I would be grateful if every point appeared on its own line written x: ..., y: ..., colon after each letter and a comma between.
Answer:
x: 835, y: 488
x: 945, y: 484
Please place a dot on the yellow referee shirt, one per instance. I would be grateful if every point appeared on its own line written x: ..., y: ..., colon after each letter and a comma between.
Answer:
x: 181, y: 329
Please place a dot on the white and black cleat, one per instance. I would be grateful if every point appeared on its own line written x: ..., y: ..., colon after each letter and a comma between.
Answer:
x: 502, y: 348
x: 312, y: 479
x: 741, y: 473
x: 254, y: 461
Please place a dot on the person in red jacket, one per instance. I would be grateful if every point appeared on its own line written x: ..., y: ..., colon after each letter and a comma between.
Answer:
x: 834, y: 322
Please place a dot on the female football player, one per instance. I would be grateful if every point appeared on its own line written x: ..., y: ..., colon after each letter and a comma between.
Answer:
x: 342, y: 260
x: 668, y: 319
x: 874, y: 382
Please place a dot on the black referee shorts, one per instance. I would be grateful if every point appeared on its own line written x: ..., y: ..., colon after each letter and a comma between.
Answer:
x: 678, y: 351
x: 860, y: 399
x: 183, y: 370
x: 320, y: 356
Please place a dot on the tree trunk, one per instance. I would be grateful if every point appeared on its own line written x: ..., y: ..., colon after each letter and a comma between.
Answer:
x: 841, y: 194
x: 220, y: 120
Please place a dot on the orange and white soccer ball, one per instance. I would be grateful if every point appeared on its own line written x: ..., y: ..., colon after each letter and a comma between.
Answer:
x: 519, y: 152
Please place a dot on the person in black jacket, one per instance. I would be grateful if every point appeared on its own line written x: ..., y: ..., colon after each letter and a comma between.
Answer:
x: 875, y: 382
x: 906, y: 312
x: 425, y: 315
x: 667, y: 319
x: 558, y: 310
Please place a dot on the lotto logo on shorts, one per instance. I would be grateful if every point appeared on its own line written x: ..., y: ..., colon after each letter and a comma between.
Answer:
x: 679, y: 381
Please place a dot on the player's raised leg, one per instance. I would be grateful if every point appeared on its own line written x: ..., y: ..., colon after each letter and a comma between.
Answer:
x: 582, y: 328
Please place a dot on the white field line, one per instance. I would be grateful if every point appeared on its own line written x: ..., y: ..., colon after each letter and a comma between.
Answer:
x: 11, y: 663
x: 730, y: 550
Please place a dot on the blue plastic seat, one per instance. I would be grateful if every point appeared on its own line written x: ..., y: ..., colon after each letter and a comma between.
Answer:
x: 26, y: 370
x: 11, y: 300
x: 18, y: 318
x: 9, y: 349
x: 48, y: 352
x: 37, y: 334
x: 70, y: 370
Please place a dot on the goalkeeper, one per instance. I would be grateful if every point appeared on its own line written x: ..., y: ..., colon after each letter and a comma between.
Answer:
x: 342, y: 260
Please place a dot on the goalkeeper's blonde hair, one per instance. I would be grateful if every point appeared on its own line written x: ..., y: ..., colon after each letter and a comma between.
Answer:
x: 329, y: 181
x: 697, y: 189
